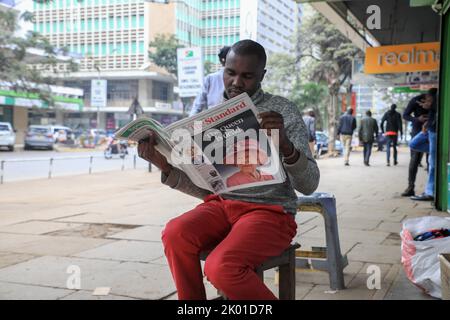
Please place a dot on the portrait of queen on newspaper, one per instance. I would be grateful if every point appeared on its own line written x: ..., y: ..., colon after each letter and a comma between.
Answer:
x: 247, y: 156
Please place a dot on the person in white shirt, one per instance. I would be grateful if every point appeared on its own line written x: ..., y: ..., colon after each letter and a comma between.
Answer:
x: 213, y: 88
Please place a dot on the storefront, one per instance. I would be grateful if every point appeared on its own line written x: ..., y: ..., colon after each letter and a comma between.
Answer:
x: 442, y: 167
x: 422, y: 21
x: 23, y: 109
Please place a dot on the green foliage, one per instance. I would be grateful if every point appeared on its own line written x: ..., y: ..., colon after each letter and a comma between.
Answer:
x: 281, y: 74
x: 207, y: 67
x: 163, y: 52
x: 330, y: 52
x: 22, y: 71
x: 326, y: 56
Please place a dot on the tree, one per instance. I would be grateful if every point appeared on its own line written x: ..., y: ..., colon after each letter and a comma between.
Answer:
x: 281, y: 74
x: 207, y: 67
x: 330, y: 56
x: 163, y: 52
x: 311, y: 95
x: 20, y: 73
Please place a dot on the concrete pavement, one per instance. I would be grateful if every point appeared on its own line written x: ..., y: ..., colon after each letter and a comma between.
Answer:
x: 105, y: 228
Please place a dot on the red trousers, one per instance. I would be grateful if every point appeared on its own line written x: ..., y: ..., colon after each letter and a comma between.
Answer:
x: 242, y: 234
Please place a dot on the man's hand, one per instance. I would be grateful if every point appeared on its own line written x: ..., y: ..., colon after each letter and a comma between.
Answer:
x: 424, y: 127
x: 425, y: 103
x: 423, y: 118
x: 274, y: 120
x: 147, y: 151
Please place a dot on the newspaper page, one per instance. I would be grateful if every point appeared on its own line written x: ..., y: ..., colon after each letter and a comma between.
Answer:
x: 221, y: 149
x: 226, y: 147
x: 138, y: 130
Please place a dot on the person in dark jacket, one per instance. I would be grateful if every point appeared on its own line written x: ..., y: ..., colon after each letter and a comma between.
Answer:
x: 368, y: 132
x: 426, y: 141
x: 416, y: 112
x: 393, y: 121
x: 347, y: 124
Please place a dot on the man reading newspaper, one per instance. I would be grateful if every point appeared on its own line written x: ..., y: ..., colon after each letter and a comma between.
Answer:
x: 243, y: 228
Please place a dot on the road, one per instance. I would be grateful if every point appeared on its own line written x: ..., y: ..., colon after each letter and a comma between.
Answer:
x: 34, y: 164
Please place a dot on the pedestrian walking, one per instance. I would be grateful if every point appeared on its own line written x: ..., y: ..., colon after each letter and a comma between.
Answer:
x: 368, y: 132
x: 347, y: 124
x: 393, y: 121
x: 310, y: 121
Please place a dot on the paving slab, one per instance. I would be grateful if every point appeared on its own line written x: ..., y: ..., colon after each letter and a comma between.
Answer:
x: 146, y: 233
x: 37, y: 227
x: 321, y: 292
x: 350, y: 235
x: 375, y: 253
x: 9, y: 258
x: 126, y: 250
x: 58, y: 246
x: 87, y: 295
x: 403, y: 289
x: 135, y: 280
x: 392, y: 227
x: 15, y: 291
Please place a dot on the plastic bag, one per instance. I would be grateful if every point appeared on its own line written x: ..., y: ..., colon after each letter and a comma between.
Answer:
x: 420, y: 258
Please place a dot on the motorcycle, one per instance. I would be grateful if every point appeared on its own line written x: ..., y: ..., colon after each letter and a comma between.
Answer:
x: 116, y: 148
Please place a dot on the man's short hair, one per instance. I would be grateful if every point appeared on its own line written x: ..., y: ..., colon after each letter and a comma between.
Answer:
x: 250, y: 47
x: 432, y: 92
x: 350, y: 110
x: 369, y: 113
x: 223, y: 52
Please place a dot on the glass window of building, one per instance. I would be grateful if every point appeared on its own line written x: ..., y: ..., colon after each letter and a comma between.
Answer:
x: 160, y: 91
x: 122, y: 89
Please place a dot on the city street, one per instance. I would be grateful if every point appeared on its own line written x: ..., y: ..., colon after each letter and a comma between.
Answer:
x: 108, y: 228
x: 34, y: 164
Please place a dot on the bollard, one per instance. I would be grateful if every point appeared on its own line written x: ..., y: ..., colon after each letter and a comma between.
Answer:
x: 123, y: 163
x: 90, y: 164
x: 2, y: 169
x: 50, y: 168
x: 134, y: 162
x: 149, y: 166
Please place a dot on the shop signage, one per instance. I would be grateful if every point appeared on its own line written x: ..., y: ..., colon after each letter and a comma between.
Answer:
x: 98, y: 93
x: 190, y: 71
x: 402, y: 58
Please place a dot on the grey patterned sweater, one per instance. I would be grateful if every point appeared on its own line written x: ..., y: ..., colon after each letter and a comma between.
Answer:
x: 302, y: 175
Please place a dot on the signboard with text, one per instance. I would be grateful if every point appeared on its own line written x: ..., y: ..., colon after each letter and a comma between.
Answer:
x: 98, y: 93
x: 190, y: 71
x: 403, y: 58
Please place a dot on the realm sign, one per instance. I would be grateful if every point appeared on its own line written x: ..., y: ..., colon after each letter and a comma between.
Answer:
x: 403, y: 58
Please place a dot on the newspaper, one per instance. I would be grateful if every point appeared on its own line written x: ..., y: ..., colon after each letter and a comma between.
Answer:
x: 220, y: 149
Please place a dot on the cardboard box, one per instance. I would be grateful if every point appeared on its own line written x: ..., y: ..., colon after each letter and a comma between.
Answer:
x: 445, y: 275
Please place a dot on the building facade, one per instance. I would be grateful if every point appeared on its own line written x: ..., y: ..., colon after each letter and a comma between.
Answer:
x: 212, y: 24
x: 112, y: 38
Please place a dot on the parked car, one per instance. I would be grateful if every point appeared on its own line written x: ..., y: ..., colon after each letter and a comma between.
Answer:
x: 322, y: 143
x: 39, y: 137
x: 7, y: 136
x: 63, y: 134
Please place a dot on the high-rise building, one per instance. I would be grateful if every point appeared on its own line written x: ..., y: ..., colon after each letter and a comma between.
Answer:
x: 109, y: 34
x: 113, y: 37
x: 212, y: 24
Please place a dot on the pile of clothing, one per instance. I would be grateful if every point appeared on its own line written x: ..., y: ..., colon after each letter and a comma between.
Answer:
x: 433, y: 234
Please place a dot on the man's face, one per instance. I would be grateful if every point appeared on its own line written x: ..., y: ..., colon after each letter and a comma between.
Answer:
x: 242, y: 73
x: 427, y: 102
